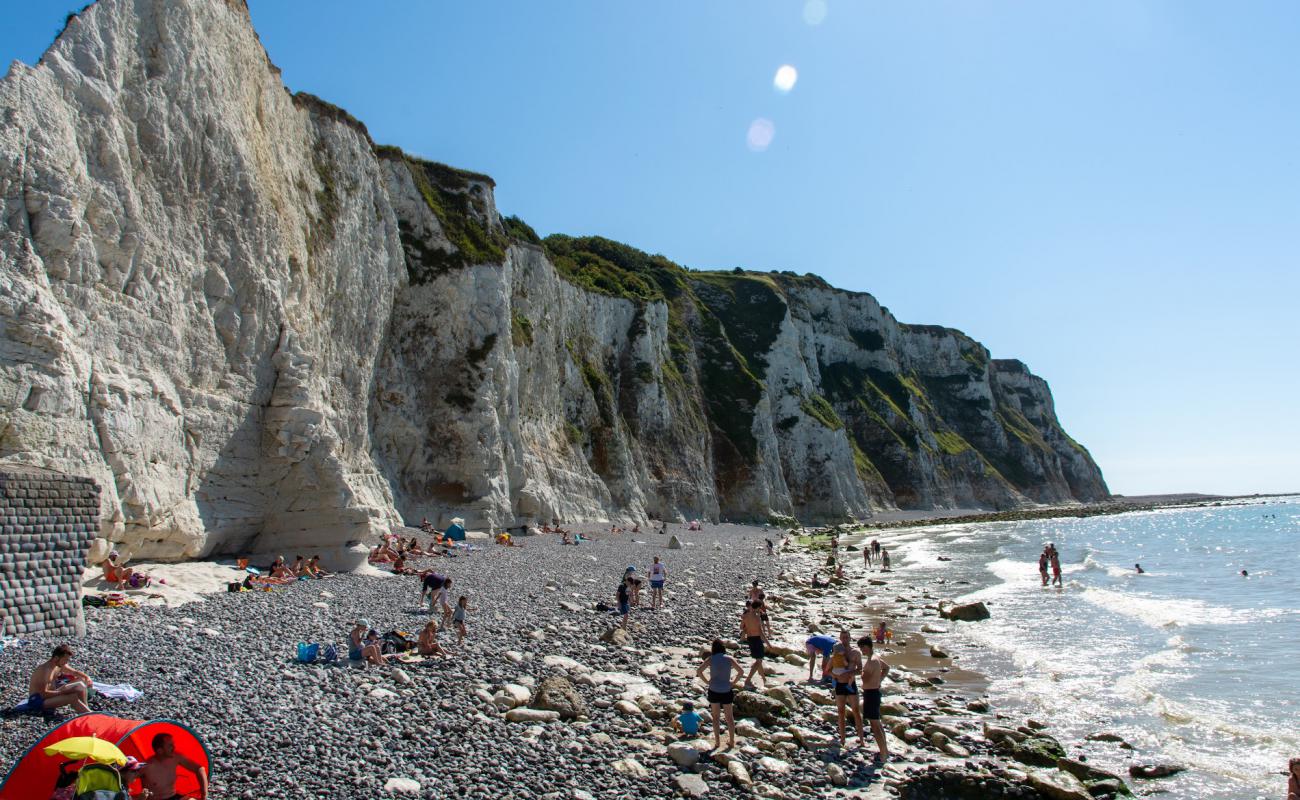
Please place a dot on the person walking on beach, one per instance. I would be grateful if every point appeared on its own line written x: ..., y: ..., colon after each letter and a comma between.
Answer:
x: 770, y: 550
x: 1042, y: 565
x: 875, y: 548
x: 755, y: 591
x: 458, y: 618
x: 722, y: 693
x: 845, y: 666
x: 658, y: 574
x: 884, y: 561
x: 56, y: 684
x: 866, y: 557
x: 751, y: 627
x: 624, y: 605
x: 1056, y: 568
x: 874, y: 670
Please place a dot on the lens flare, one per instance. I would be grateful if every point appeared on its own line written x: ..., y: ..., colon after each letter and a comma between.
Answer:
x: 761, y: 132
x: 814, y: 12
x: 785, y: 79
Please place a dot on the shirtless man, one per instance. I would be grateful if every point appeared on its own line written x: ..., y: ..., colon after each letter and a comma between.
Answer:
x: 845, y: 666
x: 46, y: 693
x: 866, y: 557
x: 874, y: 670
x: 159, y: 776
x: 751, y: 628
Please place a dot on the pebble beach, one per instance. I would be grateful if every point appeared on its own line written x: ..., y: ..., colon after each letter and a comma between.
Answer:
x: 542, y: 701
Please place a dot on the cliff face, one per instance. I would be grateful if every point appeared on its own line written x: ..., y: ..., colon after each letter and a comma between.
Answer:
x: 259, y: 331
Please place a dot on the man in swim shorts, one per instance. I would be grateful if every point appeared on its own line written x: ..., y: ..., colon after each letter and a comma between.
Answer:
x: 56, y: 684
x: 823, y: 644
x: 874, y: 670
x: 845, y: 665
x: 751, y: 627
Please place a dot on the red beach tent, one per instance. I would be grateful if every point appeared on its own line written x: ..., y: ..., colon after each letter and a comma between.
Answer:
x: 34, y: 774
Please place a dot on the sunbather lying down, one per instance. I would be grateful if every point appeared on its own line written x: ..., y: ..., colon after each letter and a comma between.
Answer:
x: 125, y: 577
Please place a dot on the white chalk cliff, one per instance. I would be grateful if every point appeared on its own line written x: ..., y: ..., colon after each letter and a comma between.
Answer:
x: 258, y: 331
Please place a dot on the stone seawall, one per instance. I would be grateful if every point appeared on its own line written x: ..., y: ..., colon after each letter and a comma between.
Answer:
x: 47, y: 522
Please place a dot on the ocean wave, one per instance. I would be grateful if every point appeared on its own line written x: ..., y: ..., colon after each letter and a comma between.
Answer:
x: 1163, y: 612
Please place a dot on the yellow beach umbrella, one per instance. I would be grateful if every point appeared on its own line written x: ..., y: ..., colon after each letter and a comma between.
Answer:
x: 79, y: 747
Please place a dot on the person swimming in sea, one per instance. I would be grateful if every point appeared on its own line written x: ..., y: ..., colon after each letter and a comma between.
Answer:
x: 1139, y: 569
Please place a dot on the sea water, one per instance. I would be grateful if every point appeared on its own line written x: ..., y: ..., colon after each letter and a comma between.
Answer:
x: 1191, y: 663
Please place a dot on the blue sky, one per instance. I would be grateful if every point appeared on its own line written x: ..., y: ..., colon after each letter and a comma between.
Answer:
x: 1109, y: 191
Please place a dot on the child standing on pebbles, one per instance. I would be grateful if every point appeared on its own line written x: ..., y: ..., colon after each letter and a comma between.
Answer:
x: 458, y: 618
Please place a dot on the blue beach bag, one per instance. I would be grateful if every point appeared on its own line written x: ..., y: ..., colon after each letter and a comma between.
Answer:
x: 307, y: 653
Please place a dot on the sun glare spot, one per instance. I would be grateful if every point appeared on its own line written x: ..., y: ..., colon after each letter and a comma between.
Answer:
x: 786, y: 76
x: 814, y: 11
x: 760, y: 134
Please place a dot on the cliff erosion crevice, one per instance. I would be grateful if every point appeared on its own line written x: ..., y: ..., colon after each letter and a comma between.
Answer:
x: 258, y: 330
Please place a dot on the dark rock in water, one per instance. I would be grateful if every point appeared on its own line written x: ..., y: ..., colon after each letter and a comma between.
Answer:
x: 956, y: 783
x: 1037, y: 751
x: 964, y: 612
x: 558, y: 694
x: 1154, y: 770
x: 1091, y: 775
x: 766, y: 710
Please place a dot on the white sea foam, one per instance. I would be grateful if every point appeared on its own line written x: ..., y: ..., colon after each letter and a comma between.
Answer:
x: 1164, y: 612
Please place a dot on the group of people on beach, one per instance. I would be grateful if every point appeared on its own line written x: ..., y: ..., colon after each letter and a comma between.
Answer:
x: 843, y: 667
x: 55, y: 684
x: 627, y: 595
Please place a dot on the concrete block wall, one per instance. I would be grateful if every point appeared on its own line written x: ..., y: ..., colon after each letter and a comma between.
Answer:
x: 47, y: 522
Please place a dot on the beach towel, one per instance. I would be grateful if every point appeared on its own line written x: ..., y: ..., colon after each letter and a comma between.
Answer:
x: 119, y: 691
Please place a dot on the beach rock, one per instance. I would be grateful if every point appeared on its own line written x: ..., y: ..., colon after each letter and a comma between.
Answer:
x: 933, y: 629
x: 1057, y: 785
x: 810, y: 739
x: 382, y: 694
x: 1152, y: 771
x: 1037, y: 751
x: 631, y: 768
x: 674, y: 543
x: 739, y: 773
x: 690, y: 785
x: 1087, y: 772
x: 566, y: 664
x: 683, y: 755
x: 964, y: 612
x: 937, y: 653
x: 1105, y: 737
x: 782, y: 695
x: 774, y: 766
x: 998, y: 734
x: 401, y: 676
x: 559, y: 695
x: 762, y: 708
x: 402, y: 786
x: 616, y: 636
x: 531, y: 715
x: 835, y: 774
x: 978, y: 706
x: 628, y: 708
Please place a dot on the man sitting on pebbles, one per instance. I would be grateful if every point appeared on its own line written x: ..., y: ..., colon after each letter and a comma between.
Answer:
x: 56, y: 684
